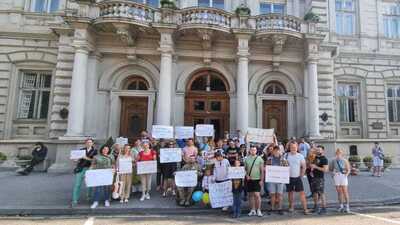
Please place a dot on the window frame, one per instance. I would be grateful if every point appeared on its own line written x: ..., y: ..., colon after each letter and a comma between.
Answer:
x: 343, y: 12
x: 395, y: 98
x: 358, y: 98
x: 273, y: 4
x: 38, y: 95
x: 47, y: 6
x: 388, y: 16
x: 211, y: 4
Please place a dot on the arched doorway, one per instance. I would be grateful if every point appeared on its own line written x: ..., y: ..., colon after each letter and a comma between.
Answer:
x: 275, y: 110
x: 207, y: 101
x: 134, y: 108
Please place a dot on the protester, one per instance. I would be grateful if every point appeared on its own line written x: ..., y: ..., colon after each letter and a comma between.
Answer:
x: 126, y: 178
x: 318, y: 168
x: 39, y: 154
x: 232, y: 152
x: 185, y: 193
x: 297, y: 166
x: 340, y: 169
x: 136, y: 187
x: 115, y: 150
x: 167, y: 171
x: 80, y: 170
x: 312, y: 155
x: 102, y: 161
x: 237, y: 189
x: 189, y: 150
x: 276, y: 189
x: 208, y: 179
x: 304, y: 147
x: 221, y: 167
x: 254, y: 166
x: 378, y: 156
x: 146, y: 155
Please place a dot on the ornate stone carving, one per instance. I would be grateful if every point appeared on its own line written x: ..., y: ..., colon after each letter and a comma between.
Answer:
x: 206, y: 37
x: 126, y: 35
x: 278, y: 43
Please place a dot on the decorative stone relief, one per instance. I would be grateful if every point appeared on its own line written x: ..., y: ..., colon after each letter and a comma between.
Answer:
x: 278, y: 43
x: 126, y: 35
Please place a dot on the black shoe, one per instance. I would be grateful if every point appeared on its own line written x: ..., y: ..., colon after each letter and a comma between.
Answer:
x: 315, y: 210
x: 322, y: 211
x: 280, y: 212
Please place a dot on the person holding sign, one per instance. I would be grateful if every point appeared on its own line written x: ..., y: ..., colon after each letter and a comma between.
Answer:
x: 237, y: 188
x: 189, y: 150
x: 185, y: 193
x: 80, y: 170
x: 124, y: 165
x: 167, y: 171
x: 146, y: 155
x: 102, y: 161
x: 254, y: 166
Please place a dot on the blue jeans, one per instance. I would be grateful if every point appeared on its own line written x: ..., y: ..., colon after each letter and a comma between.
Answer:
x: 236, y: 204
x: 106, y: 191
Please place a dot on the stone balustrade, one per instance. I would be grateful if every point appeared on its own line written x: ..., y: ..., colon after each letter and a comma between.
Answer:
x: 278, y: 22
x: 210, y: 16
x: 124, y: 9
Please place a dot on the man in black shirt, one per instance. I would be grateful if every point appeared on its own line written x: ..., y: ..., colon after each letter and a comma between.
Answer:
x: 39, y: 154
x: 232, y: 152
x: 318, y: 169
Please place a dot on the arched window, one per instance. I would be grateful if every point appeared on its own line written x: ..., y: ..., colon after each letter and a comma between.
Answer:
x: 136, y: 83
x: 274, y: 88
x: 209, y: 81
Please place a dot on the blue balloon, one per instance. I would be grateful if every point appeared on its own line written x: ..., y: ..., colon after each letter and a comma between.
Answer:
x: 197, y: 196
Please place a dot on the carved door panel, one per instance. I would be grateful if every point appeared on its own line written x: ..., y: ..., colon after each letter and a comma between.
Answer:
x: 133, y: 116
x: 275, y: 116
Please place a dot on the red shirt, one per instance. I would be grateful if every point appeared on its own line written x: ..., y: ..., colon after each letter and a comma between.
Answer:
x: 147, y: 157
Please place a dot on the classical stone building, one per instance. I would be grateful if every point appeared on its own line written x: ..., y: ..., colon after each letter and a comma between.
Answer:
x: 325, y: 69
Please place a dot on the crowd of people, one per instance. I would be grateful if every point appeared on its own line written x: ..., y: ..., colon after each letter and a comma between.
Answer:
x: 211, y: 159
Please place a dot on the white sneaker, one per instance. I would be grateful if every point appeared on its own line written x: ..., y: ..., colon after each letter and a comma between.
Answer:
x: 259, y: 213
x: 147, y: 196
x: 347, y: 209
x: 94, y: 205
x: 225, y: 209
x: 121, y: 201
x: 107, y: 203
x: 142, y: 198
x: 340, y: 209
x: 252, y: 212
x: 126, y: 200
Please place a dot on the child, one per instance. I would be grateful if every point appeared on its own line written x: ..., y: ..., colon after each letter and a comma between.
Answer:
x: 207, y: 180
x: 237, y: 188
x: 126, y: 178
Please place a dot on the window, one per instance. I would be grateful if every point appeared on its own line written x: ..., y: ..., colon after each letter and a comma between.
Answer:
x: 266, y: 8
x: 34, y: 95
x: 137, y: 83
x: 275, y: 88
x: 211, y: 3
x: 152, y: 3
x: 45, y: 5
x: 393, y: 103
x: 345, y: 17
x: 348, y: 100
x: 208, y: 82
x: 391, y: 21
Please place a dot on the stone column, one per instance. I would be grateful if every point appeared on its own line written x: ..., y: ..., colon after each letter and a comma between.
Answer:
x: 164, y: 100
x: 242, y: 103
x: 313, y: 102
x: 76, y: 114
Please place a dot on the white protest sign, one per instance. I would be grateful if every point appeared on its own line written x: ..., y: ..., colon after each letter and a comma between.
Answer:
x: 221, y: 194
x: 277, y: 174
x: 260, y: 135
x: 125, y: 166
x: 168, y: 155
x: 121, y: 141
x: 236, y: 172
x: 186, y: 178
x: 184, y: 132
x: 160, y: 131
x: 147, y: 167
x: 77, y: 154
x: 99, y: 177
x: 204, y: 130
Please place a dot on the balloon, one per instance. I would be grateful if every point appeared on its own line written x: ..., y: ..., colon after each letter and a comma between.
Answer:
x: 197, y: 196
x: 206, y: 198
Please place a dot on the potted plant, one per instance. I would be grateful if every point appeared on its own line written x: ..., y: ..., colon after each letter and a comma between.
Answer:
x: 243, y: 10
x: 367, y: 160
x: 311, y: 17
x: 23, y: 160
x: 3, y: 157
x: 387, y: 162
x: 355, y: 162
x: 168, y: 4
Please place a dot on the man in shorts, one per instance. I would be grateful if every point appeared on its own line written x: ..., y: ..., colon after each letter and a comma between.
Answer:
x: 318, y: 182
x: 254, y: 166
x: 297, y: 166
x: 276, y: 189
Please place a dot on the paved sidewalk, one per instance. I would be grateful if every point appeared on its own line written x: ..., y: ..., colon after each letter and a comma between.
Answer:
x: 42, y: 193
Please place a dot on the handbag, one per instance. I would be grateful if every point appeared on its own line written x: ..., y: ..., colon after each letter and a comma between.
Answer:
x: 117, y: 188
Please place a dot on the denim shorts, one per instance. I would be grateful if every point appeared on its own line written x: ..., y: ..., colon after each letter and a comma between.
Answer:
x: 275, y: 188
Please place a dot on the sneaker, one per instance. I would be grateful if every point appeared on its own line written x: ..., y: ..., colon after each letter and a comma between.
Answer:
x: 252, y: 212
x: 322, y: 211
x: 182, y: 203
x: 164, y: 194
x: 306, y: 212
x: 187, y: 203
x: 126, y: 200
x: 347, y: 209
x: 225, y: 209
x: 259, y: 213
x: 280, y: 212
x: 340, y: 209
x: 94, y: 205
x: 143, y: 197
x: 315, y: 210
x: 121, y: 201
x: 147, y: 196
x: 173, y: 193
x: 73, y: 204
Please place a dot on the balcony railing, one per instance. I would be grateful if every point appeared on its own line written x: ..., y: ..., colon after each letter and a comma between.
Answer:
x: 209, y: 16
x: 278, y: 22
x: 130, y: 10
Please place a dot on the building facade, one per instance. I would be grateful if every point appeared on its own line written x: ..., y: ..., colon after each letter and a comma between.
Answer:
x: 324, y: 69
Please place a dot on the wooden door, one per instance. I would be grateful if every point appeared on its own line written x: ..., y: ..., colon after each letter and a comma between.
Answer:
x: 133, y: 116
x: 275, y: 116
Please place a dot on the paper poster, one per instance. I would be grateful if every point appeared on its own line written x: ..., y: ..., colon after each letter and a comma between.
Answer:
x: 168, y: 155
x: 77, y: 154
x: 236, y: 172
x: 99, y: 177
x: 260, y: 135
x: 147, y: 167
x: 160, y: 131
x: 186, y: 178
x: 121, y: 141
x: 277, y: 174
x: 204, y: 130
x: 221, y: 194
x: 184, y: 132
x: 125, y: 166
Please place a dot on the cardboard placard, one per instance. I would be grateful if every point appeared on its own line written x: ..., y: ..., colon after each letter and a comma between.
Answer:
x: 260, y: 135
x: 236, y: 172
x: 77, y: 154
x: 184, y: 132
x: 160, y: 131
x: 277, y: 174
x: 186, y: 178
x: 204, y: 130
x: 221, y: 194
x: 168, y: 155
x: 99, y: 177
x: 147, y: 167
